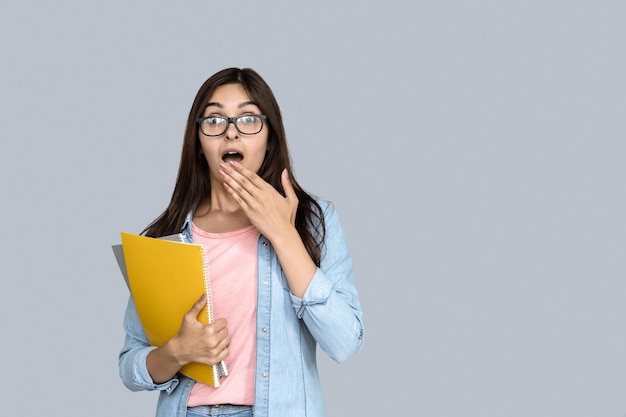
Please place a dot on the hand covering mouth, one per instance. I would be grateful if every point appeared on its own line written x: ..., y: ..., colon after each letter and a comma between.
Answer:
x: 232, y: 156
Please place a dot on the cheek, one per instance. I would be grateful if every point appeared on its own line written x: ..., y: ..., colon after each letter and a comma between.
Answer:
x: 205, y: 148
x: 208, y: 153
x: 257, y: 160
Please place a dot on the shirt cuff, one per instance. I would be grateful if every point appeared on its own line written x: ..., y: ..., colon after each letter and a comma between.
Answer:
x: 143, y: 378
x: 317, y: 292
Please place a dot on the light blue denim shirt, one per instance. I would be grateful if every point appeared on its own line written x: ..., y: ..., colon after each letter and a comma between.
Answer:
x: 288, y: 330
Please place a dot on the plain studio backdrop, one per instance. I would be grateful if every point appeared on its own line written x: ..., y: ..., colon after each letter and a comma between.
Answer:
x: 474, y: 151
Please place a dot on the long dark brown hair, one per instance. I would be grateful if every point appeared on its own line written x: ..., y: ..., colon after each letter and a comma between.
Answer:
x: 193, y: 185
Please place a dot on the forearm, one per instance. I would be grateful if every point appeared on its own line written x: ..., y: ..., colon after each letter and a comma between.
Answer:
x: 163, y: 363
x: 134, y: 354
x: 330, y: 306
x: 335, y: 324
x: 295, y: 260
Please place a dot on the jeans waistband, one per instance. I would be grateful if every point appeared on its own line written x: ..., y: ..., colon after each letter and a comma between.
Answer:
x: 220, y: 409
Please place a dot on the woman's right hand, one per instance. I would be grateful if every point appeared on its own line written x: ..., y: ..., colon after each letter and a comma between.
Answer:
x: 199, y: 342
x: 194, y: 342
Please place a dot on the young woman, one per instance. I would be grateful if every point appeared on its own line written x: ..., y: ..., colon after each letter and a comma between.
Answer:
x: 281, y: 274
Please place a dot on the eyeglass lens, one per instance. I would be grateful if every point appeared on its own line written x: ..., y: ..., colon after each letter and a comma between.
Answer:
x: 248, y: 124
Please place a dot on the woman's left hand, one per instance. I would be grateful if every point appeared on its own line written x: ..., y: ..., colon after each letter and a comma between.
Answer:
x: 269, y: 212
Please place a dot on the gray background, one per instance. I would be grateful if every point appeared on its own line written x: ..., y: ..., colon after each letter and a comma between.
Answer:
x: 474, y: 151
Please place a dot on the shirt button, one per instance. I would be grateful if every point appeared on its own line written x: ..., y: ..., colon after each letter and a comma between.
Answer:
x: 265, y: 243
x: 264, y: 375
x: 264, y: 329
x: 265, y: 281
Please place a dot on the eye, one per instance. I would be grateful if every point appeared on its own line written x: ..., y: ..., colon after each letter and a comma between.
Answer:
x: 214, y: 120
x: 247, y: 119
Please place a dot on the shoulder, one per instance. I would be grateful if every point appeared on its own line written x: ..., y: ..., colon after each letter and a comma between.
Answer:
x: 324, y: 204
x: 328, y: 213
x: 325, y: 208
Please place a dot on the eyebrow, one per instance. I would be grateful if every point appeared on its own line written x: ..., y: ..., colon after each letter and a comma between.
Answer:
x: 241, y: 105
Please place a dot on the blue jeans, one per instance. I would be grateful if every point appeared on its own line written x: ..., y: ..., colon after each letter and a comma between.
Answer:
x: 226, y: 410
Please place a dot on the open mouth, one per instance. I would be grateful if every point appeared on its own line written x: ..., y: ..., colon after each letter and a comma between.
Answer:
x: 232, y: 156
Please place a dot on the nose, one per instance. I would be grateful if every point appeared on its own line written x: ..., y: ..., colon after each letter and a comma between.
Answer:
x: 231, y: 131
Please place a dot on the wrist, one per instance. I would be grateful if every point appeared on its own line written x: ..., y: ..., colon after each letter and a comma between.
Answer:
x: 172, y: 350
x: 285, y: 235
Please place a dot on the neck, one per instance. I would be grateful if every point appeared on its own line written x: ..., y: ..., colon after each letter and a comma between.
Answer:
x: 220, y: 212
x: 222, y: 201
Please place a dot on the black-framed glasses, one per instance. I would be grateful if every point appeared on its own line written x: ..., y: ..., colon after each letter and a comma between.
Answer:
x: 246, y: 124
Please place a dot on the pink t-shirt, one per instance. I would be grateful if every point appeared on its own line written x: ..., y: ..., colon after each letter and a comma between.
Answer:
x: 233, y: 263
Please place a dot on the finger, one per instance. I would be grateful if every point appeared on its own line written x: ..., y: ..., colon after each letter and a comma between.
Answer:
x: 222, y: 341
x: 236, y: 196
x: 216, y: 353
x: 219, y: 324
x: 238, y: 185
x: 287, y: 185
x: 217, y: 335
x: 246, y: 178
x: 198, y: 305
x: 224, y: 354
x: 217, y: 358
x: 239, y: 168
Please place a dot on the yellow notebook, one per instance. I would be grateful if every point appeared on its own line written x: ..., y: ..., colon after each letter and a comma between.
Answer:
x: 165, y: 279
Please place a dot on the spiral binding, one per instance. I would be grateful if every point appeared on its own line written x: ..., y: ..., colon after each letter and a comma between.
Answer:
x: 219, y: 369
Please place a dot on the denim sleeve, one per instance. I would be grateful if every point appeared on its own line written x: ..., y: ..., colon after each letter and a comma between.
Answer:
x: 330, y: 307
x: 132, y: 359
